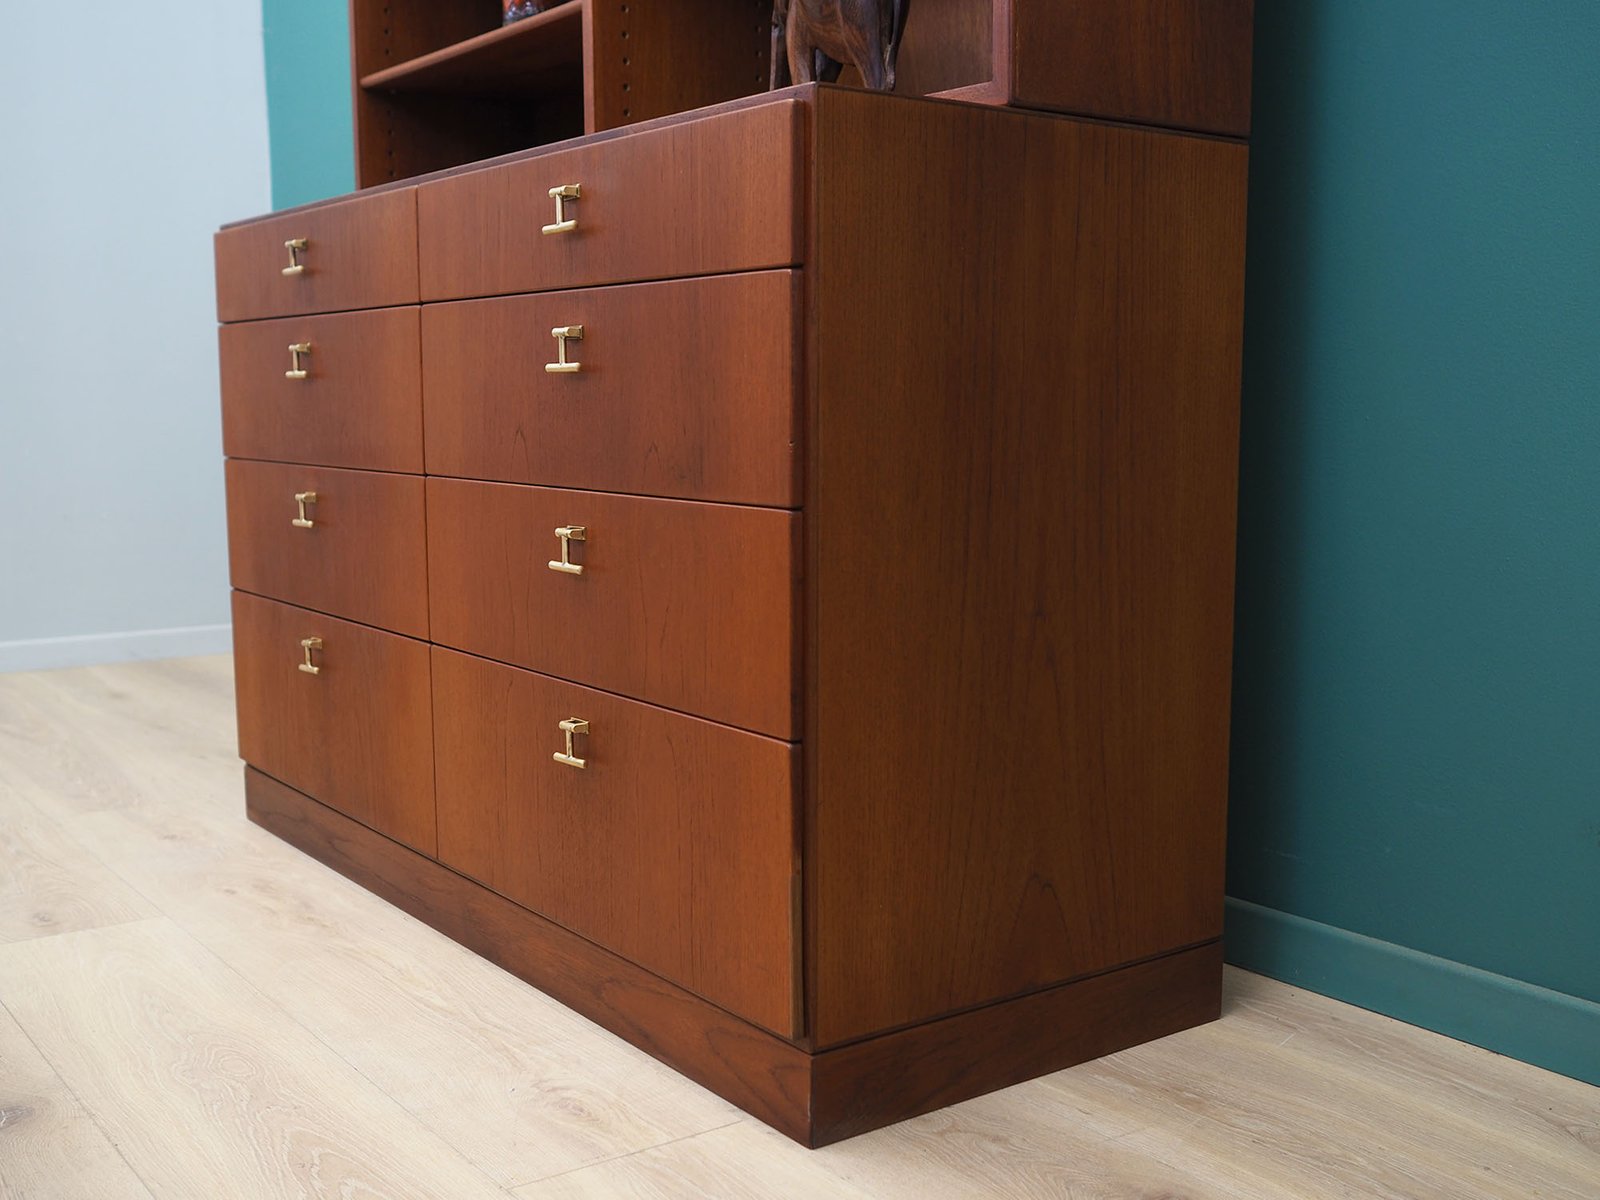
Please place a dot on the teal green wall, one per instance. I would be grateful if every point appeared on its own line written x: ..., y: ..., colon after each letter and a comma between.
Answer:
x: 1416, y: 800
x: 308, y: 97
x: 1416, y: 753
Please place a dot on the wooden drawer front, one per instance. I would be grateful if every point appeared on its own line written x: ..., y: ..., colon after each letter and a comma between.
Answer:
x: 673, y: 846
x: 359, y: 405
x: 363, y: 557
x: 695, y: 198
x: 690, y: 606
x: 358, y: 735
x: 686, y: 389
x: 359, y: 253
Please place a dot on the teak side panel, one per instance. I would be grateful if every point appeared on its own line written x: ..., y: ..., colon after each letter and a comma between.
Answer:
x: 360, y: 404
x: 701, y: 197
x: 1017, y: 729
x: 364, y: 556
x: 687, y: 389
x: 674, y: 845
x: 360, y: 253
x: 689, y: 606
x: 762, y: 1074
x: 1185, y: 64
x: 358, y: 735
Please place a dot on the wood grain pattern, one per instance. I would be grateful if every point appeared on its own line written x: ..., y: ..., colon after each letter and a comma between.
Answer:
x: 157, y: 743
x: 1039, y: 791
x: 531, y: 150
x: 49, y: 885
x: 1179, y: 63
x: 132, y: 758
x: 137, y: 764
x: 688, y: 389
x: 360, y: 253
x: 385, y: 33
x: 949, y: 44
x: 645, y: 213
x: 638, y: 56
x: 142, y: 1025
x: 762, y: 1074
x: 818, y: 1099
x: 689, y: 606
x: 400, y: 135
x: 870, y: 1084
x: 739, y: 1162
x: 49, y: 1144
x: 1279, y: 1117
x: 1554, y: 1120
x: 437, y: 85
x: 529, y: 56
x: 675, y: 846
x: 358, y: 736
x: 1029, y: 1142
x: 509, y: 1078
x: 361, y: 405
x: 1264, y: 1098
x: 365, y: 556
x: 1068, y: 1135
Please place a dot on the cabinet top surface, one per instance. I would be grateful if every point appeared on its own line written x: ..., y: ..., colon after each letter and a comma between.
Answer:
x: 805, y: 93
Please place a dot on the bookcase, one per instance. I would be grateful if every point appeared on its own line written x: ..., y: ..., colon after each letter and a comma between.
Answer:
x: 440, y: 83
x: 763, y: 574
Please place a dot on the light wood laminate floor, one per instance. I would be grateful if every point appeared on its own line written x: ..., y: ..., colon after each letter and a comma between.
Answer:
x: 193, y: 1009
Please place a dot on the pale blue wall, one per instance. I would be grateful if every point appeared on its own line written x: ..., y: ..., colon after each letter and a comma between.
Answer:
x: 128, y: 135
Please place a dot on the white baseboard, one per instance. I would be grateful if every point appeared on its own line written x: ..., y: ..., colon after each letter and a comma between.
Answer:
x: 92, y: 649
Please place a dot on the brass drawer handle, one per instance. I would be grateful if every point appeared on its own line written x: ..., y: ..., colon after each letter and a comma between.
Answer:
x: 294, y: 246
x: 304, y: 520
x: 567, y: 191
x: 311, y: 646
x: 569, y: 534
x: 297, y: 351
x: 563, y: 334
x: 572, y: 727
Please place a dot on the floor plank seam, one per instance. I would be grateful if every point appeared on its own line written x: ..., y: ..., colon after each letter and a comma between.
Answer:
x: 45, y: 937
x: 94, y: 1118
x: 177, y: 921
x: 110, y: 868
x: 600, y: 1162
x: 377, y: 1088
x: 1290, y: 1094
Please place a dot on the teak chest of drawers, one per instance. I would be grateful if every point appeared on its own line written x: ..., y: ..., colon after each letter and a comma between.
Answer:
x: 783, y: 609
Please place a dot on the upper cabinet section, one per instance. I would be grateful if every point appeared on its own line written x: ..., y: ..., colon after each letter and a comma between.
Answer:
x: 440, y: 83
x: 1180, y: 64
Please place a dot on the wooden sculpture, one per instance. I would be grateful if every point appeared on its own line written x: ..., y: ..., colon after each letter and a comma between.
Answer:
x: 814, y: 39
